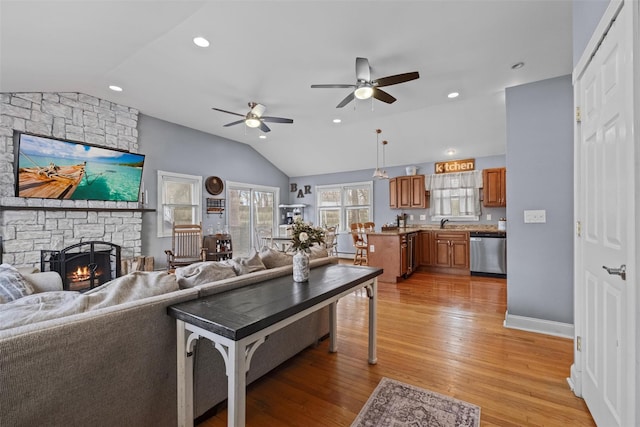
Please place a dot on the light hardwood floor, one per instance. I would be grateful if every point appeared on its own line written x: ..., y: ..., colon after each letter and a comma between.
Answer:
x: 440, y: 332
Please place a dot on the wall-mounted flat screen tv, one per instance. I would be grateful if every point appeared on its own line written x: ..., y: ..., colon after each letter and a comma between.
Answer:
x: 51, y: 168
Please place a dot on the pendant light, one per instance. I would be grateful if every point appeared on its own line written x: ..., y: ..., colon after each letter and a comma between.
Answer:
x: 377, y: 173
x: 384, y: 175
x: 380, y: 173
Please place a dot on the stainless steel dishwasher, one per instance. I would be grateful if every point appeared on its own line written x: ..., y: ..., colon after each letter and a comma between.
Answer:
x: 488, y: 252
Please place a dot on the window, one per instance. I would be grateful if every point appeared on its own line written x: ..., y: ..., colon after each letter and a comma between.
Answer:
x: 455, y: 195
x: 343, y: 204
x: 179, y: 201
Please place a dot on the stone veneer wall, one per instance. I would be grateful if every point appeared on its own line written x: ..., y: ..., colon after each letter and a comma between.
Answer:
x: 71, y: 116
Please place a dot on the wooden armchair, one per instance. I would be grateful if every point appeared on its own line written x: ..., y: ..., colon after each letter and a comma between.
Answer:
x: 186, y: 246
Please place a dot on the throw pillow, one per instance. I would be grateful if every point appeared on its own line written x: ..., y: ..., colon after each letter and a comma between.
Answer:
x: 203, y: 272
x: 318, y: 252
x: 12, y: 284
x: 272, y: 258
x: 247, y: 265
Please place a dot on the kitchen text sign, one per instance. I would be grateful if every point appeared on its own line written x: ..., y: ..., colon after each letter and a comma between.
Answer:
x: 456, y: 166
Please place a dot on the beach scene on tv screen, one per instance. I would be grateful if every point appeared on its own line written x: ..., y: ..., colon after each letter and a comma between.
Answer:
x: 55, y: 169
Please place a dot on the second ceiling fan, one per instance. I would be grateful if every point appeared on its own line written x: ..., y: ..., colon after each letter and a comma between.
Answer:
x: 254, y: 118
x: 366, y: 88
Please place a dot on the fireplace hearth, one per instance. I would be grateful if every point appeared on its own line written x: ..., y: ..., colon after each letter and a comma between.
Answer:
x: 83, y: 266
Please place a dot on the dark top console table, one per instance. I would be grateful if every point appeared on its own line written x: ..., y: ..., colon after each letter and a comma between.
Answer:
x: 239, y: 320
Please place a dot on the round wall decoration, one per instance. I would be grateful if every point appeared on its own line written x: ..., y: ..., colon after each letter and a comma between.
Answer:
x: 214, y: 185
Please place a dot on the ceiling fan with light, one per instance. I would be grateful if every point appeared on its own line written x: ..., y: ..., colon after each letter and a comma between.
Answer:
x: 365, y: 88
x: 254, y: 118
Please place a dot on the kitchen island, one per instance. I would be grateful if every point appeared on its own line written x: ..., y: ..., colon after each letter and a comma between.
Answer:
x: 402, y: 251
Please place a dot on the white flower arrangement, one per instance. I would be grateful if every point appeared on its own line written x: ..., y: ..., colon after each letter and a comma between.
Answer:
x: 304, y: 235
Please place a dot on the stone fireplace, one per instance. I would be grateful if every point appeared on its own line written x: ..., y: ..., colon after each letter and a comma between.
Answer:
x: 28, y: 226
x: 83, y: 266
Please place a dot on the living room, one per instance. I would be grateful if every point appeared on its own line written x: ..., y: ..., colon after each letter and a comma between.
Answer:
x: 543, y: 297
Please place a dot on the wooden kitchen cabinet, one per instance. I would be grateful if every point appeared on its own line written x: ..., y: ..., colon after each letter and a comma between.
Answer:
x: 451, y: 251
x: 494, y: 190
x: 393, y: 192
x: 425, y: 239
x: 408, y: 192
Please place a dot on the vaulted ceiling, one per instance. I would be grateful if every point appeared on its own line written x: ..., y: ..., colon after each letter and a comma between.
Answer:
x: 271, y: 52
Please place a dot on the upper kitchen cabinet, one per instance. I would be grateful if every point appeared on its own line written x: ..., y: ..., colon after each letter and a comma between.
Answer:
x: 406, y: 192
x: 494, y: 187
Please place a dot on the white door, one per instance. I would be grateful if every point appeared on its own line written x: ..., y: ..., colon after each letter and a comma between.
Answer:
x: 605, y: 209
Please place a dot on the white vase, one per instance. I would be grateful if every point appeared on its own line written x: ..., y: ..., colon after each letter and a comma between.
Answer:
x: 301, y: 266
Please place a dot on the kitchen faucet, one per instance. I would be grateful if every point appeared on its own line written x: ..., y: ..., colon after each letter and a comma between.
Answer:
x: 443, y: 221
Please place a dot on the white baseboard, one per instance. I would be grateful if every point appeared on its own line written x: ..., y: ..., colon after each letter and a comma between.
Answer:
x: 541, y: 326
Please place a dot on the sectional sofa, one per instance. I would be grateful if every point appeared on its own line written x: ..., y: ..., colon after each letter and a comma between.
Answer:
x: 113, y: 362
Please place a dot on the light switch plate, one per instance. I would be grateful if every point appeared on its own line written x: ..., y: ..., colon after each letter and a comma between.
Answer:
x: 423, y: 217
x: 537, y: 216
x: 488, y: 217
x: 372, y: 248
x: 411, y: 217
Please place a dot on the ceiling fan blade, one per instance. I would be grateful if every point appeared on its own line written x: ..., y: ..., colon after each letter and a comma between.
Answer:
x: 276, y: 120
x: 234, y: 123
x: 263, y: 127
x: 394, y: 80
x: 383, y: 96
x: 228, y: 112
x: 363, y: 71
x: 341, y: 86
x: 347, y: 100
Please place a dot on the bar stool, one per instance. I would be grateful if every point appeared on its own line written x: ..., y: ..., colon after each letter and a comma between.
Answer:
x: 360, y: 246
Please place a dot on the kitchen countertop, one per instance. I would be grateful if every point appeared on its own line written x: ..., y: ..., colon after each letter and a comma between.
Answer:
x: 436, y: 227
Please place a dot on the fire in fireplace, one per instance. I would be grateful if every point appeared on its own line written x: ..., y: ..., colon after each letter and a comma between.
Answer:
x: 83, y: 266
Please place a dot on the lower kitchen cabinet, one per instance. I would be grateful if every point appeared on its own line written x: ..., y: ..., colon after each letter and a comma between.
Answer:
x: 451, y: 251
x: 425, y: 243
x: 435, y: 251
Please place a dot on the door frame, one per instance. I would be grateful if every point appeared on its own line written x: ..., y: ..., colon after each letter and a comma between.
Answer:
x: 575, y: 380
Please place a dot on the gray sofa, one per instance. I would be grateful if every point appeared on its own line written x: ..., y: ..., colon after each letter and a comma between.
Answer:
x: 116, y: 366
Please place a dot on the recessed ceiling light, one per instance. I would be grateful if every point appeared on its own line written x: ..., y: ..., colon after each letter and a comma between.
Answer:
x: 337, y: 120
x: 453, y: 95
x: 517, y: 65
x: 115, y: 88
x: 201, y: 42
x: 451, y: 152
x: 263, y: 137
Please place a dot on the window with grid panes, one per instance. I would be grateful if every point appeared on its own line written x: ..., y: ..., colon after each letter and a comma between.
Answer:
x: 342, y: 204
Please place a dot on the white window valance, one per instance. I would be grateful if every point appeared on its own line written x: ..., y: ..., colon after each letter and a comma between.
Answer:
x: 454, y: 180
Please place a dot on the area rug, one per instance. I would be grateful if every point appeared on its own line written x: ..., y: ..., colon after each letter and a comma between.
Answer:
x: 396, y: 404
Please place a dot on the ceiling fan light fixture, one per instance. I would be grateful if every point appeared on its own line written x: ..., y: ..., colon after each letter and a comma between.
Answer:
x: 252, y: 122
x: 364, y: 91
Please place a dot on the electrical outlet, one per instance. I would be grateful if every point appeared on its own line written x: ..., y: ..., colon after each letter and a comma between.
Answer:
x: 488, y: 217
x: 538, y: 216
x: 372, y: 248
x: 411, y: 217
x: 423, y: 217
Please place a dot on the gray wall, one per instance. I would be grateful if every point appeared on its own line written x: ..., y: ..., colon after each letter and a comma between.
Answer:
x: 173, y: 148
x: 540, y: 176
x: 586, y: 15
x: 382, y: 213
